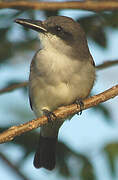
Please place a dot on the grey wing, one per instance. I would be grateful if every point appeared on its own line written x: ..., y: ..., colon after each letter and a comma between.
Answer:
x: 30, y: 102
x: 33, y: 74
x: 30, y: 80
x: 92, y: 61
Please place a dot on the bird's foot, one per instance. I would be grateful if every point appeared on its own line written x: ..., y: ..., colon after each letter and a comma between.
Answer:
x: 80, y: 104
x: 50, y: 115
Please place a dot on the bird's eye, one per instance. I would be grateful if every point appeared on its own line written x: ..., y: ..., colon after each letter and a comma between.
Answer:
x: 58, y: 28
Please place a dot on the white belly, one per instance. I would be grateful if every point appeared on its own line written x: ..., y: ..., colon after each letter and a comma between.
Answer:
x: 62, y: 84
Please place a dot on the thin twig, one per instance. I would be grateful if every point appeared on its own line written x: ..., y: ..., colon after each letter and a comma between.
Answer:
x: 12, y: 87
x: 13, y: 167
x: 61, y: 113
x: 86, y: 5
x: 107, y: 64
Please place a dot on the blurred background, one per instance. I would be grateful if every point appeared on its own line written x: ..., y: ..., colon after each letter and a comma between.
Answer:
x: 88, y: 144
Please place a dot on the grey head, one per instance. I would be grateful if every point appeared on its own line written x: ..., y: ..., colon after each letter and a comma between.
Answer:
x: 64, y: 28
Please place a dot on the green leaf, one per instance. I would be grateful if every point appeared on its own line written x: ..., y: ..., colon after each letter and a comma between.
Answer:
x: 94, y: 28
x: 111, y: 19
x: 99, y: 37
x: 49, y: 13
x: 6, y: 51
x: 87, y: 171
x: 27, y: 45
x: 111, y: 151
x: 3, y: 33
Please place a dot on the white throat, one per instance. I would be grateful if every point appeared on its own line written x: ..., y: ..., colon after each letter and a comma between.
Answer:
x: 51, y: 42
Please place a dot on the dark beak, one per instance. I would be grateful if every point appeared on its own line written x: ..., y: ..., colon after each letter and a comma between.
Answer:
x: 32, y: 24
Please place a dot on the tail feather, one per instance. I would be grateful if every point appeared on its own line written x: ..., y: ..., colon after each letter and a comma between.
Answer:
x: 46, y: 153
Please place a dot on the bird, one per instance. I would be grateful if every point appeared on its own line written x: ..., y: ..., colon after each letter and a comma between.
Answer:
x: 61, y: 72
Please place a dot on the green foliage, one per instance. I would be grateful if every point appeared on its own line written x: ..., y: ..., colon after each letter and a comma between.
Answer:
x: 29, y: 143
x: 87, y: 172
x: 51, y: 13
x: 5, y: 45
x: 94, y: 29
x: 111, y: 151
x: 8, y: 48
x: 95, y: 26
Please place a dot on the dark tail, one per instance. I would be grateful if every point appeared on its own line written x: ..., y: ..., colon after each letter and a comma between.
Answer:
x: 46, y: 153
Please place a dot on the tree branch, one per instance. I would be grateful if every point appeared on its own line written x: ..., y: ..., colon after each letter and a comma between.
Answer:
x: 107, y: 64
x: 12, y: 87
x: 61, y: 113
x: 86, y: 5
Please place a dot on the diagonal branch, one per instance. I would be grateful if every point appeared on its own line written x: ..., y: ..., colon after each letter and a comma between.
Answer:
x: 107, y: 64
x: 12, y: 87
x: 61, y: 113
x: 85, y: 5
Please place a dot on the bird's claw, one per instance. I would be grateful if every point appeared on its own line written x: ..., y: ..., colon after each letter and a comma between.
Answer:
x: 80, y: 104
x: 50, y: 115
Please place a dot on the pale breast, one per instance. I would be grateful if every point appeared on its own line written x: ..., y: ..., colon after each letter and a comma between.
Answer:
x: 60, y: 81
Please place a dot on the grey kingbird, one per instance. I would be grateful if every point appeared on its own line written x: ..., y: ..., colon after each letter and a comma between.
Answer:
x: 61, y: 71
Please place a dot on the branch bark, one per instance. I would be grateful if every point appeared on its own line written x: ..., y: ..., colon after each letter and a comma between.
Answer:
x: 61, y: 113
x: 12, y: 87
x: 107, y: 64
x: 86, y: 5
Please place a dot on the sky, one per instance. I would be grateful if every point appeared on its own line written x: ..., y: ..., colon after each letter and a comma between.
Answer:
x: 90, y: 128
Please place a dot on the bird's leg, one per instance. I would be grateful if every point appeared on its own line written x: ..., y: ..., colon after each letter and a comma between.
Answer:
x: 80, y: 104
x: 50, y: 115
